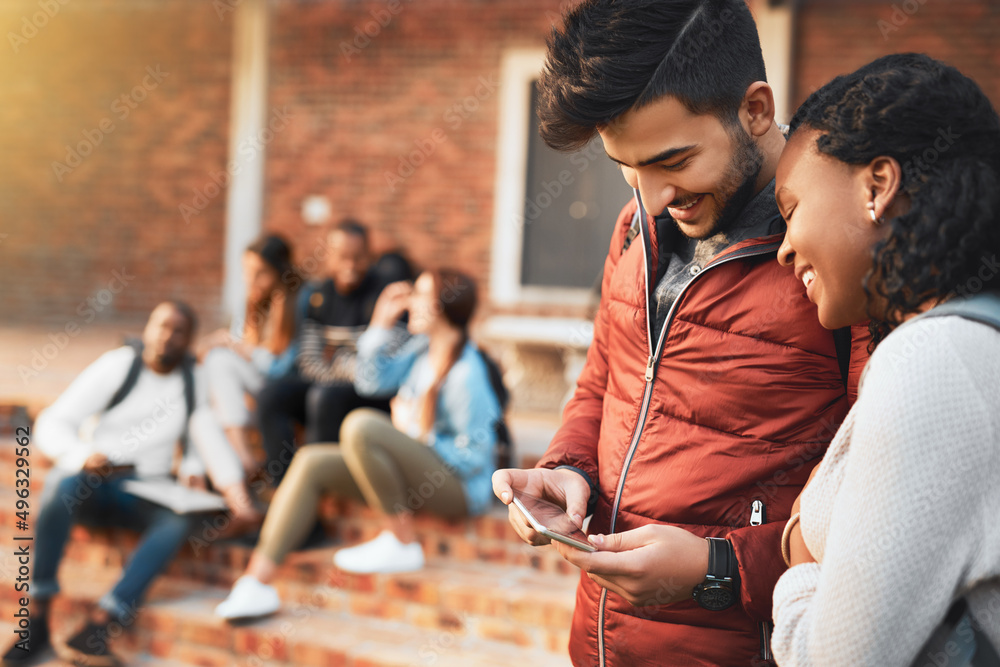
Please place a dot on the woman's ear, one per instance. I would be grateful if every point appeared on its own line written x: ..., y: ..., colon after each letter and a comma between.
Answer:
x: 885, y: 177
x: 758, y: 108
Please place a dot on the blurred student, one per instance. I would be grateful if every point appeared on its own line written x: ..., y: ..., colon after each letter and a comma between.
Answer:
x: 321, y: 394
x: 436, y: 453
x: 138, y: 402
x: 262, y: 345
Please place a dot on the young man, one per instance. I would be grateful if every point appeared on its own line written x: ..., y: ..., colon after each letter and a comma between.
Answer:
x: 710, y: 390
x: 136, y: 434
x: 322, y: 393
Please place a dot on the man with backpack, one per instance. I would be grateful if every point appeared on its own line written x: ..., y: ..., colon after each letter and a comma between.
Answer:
x: 710, y: 390
x: 137, y: 400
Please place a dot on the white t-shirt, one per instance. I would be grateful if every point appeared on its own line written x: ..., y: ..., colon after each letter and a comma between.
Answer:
x: 143, y: 429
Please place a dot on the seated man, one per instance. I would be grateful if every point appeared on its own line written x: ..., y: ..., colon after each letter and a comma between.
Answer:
x: 142, y: 409
x: 339, y: 309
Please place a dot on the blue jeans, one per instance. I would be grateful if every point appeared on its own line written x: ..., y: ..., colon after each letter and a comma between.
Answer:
x: 90, y: 499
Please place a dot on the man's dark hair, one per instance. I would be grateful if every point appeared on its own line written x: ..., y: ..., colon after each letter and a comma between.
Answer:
x: 944, y: 132
x: 615, y: 55
x: 352, y: 227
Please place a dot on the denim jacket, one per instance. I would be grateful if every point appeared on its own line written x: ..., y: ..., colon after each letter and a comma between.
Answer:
x: 463, y: 434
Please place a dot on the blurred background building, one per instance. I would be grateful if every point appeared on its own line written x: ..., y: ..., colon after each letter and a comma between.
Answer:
x: 146, y: 142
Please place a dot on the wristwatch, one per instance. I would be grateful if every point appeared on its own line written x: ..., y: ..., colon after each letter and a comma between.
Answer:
x: 721, y: 587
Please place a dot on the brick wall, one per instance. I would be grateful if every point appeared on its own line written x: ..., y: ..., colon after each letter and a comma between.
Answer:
x: 103, y: 224
x: 838, y: 36
x: 380, y: 89
x: 373, y: 87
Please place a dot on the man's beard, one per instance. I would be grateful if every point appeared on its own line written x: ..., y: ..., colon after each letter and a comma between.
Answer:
x: 171, y: 357
x: 739, y: 183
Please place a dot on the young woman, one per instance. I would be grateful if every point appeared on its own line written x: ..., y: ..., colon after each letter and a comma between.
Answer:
x: 890, y: 185
x: 259, y: 346
x: 436, y: 452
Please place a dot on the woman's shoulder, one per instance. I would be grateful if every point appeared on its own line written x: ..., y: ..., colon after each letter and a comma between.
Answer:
x: 931, y: 363
x: 935, y: 344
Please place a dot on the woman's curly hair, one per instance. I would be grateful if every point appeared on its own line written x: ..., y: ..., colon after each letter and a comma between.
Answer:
x: 945, y: 134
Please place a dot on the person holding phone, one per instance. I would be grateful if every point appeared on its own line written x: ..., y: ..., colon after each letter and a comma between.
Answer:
x: 119, y: 396
x: 900, y: 518
x: 710, y: 390
x: 435, y: 453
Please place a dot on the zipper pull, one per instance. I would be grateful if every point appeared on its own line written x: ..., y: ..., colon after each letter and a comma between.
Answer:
x: 649, y: 368
x: 756, y: 513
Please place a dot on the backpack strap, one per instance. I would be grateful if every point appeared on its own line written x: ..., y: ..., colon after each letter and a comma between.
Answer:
x: 130, y: 378
x: 505, y: 443
x: 187, y: 372
x: 983, y: 308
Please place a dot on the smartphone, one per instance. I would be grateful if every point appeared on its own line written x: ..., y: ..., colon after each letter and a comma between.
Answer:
x: 552, y: 521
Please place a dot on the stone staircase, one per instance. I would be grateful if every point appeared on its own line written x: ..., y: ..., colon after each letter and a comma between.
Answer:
x: 485, y: 598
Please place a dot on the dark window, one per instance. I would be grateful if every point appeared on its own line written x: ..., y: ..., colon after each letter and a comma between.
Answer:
x: 571, y: 204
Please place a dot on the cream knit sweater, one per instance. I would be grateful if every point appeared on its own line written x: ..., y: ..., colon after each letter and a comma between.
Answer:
x: 904, y: 513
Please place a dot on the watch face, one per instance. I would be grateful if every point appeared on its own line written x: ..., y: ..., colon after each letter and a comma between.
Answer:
x: 714, y: 598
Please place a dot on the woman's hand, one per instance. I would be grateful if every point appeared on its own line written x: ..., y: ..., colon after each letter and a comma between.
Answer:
x: 392, y: 303
x: 218, y: 338
x: 651, y: 565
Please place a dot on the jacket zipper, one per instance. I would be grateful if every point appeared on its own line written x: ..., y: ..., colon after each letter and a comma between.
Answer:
x: 650, y: 375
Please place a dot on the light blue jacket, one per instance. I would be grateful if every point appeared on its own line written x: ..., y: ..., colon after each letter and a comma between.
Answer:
x: 464, y: 434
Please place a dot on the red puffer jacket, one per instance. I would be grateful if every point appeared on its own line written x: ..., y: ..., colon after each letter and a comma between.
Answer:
x: 740, y: 406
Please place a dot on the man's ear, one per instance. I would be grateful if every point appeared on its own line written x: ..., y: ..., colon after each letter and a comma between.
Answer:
x: 884, y: 177
x: 757, y: 110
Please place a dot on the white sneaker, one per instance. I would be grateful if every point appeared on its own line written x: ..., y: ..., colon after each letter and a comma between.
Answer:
x: 383, y: 555
x: 249, y: 599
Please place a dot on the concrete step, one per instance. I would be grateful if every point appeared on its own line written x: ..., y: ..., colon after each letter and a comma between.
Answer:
x: 511, y: 603
x: 177, y: 624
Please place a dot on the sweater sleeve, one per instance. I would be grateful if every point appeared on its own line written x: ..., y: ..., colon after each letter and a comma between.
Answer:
x: 58, y: 426
x: 385, y: 357
x: 575, y: 443
x: 314, y: 366
x: 907, y: 518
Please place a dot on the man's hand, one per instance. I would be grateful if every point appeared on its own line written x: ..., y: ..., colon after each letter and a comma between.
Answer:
x: 194, y: 482
x: 96, y: 463
x: 651, y: 565
x: 564, y: 487
x: 241, y: 505
x: 391, y: 304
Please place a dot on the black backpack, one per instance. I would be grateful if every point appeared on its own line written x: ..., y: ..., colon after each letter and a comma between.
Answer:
x: 132, y: 377
x: 505, y: 444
